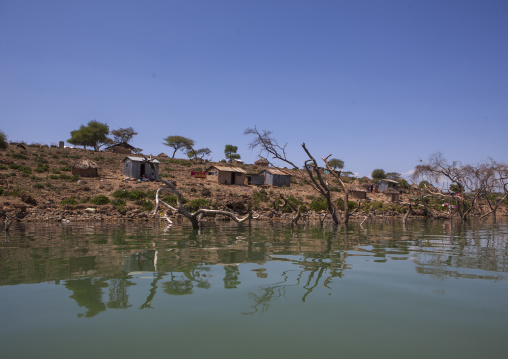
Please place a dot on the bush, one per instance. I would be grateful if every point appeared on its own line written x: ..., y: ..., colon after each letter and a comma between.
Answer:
x: 3, y: 167
x: 351, y: 205
x: 261, y: 196
x: 196, y: 204
x: 13, y: 166
x: 171, y: 200
x: 38, y: 185
x: 319, y: 204
x: 20, y: 156
x: 71, y: 201
x: 100, y: 200
x: 118, y: 202
x: 180, y: 162
x: 146, y: 205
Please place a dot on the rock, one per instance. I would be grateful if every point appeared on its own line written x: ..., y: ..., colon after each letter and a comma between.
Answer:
x: 28, y: 199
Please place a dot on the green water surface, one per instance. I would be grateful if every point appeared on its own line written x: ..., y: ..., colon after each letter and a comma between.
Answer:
x: 382, y: 290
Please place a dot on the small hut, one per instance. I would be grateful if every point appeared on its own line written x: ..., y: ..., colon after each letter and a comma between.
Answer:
x: 384, y: 184
x: 137, y: 167
x: 392, y: 194
x: 262, y: 162
x: 357, y: 191
x: 276, y: 177
x: 226, y: 175
x: 85, y: 168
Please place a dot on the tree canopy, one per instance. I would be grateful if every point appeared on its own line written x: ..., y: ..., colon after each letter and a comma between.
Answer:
x: 123, y: 134
x: 393, y: 175
x: 3, y: 141
x: 230, y: 152
x: 201, y: 153
x: 378, y: 174
x: 178, y: 143
x: 94, y: 134
x: 335, y: 163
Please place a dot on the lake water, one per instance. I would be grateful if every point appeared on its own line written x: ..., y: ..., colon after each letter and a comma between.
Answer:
x: 137, y: 290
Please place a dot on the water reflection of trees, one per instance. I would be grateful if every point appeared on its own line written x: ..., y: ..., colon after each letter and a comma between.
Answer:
x: 99, y: 276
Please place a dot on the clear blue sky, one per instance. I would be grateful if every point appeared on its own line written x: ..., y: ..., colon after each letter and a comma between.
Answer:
x: 378, y: 84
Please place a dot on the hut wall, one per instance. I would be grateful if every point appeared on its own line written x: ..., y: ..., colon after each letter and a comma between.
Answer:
x: 277, y: 180
x: 358, y: 194
x: 120, y: 149
x: 258, y: 180
x: 226, y: 177
x: 134, y: 169
x: 84, y: 172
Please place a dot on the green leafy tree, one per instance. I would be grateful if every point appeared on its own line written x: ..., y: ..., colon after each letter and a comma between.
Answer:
x: 393, y: 176
x: 94, y: 134
x: 178, y: 143
x: 230, y: 152
x: 3, y: 141
x: 123, y: 134
x: 335, y: 163
x: 378, y: 174
x: 201, y: 153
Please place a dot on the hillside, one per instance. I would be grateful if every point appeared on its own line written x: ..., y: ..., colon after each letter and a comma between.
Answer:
x: 36, y: 184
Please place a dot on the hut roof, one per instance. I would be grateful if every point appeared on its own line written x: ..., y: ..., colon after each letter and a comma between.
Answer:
x: 276, y: 171
x: 356, y: 187
x: 391, y: 191
x: 122, y: 144
x: 228, y: 169
x: 262, y: 161
x: 140, y: 159
x: 389, y: 180
x: 85, y: 163
x: 162, y: 154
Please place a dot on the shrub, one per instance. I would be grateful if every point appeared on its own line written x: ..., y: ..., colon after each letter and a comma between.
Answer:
x: 100, y: 200
x: 196, y: 204
x: 146, y: 205
x: 171, y: 200
x: 180, y: 162
x: 68, y: 201
x: 20, y: 156
x: 3, y: 167
x: 13, y: 166
x: 351, y: 205
x: 38, y: 185
x: 260, y: 196
x: 118, y: 202
x: 65, y: 169
x: 319, y: 204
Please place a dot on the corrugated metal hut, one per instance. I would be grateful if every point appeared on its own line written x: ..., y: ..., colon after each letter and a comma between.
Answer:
x: 392, y: 194
x: 384, y: 184
x: 357, y: 191
x: 136, y: 167
x: 85, y: 168
x: 276, y: 177
x: 226, y: 174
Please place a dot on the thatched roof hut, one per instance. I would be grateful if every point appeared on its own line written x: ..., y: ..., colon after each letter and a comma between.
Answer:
x: 357, y: 191
x: 85, y: 168
x: 262, y: 162
x: 392, y: 194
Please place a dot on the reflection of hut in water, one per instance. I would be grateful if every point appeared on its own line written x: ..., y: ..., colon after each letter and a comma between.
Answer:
x: 85, y: 168
x: 392, y: 194
x: 357, y: 191
x: 136, y: 167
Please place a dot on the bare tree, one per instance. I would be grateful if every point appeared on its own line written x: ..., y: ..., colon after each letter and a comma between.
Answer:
x: 269, y: 147
x: 196, y: 217
x: 495, y: 177
x: 466, y: 180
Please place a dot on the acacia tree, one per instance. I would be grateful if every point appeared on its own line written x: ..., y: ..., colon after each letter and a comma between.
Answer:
x: 495, y: 177
x: 178, y: 143
x: 123, y: 134
x: 230, y: 152
x: 335, y: 163
x: 94, y: 134
x: 199, y: 154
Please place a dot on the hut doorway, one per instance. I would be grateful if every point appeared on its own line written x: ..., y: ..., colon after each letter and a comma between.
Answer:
x: 141, y: 170
x: 233, y: 177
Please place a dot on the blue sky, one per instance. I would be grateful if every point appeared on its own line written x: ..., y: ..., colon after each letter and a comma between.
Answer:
x: 378, y: 84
